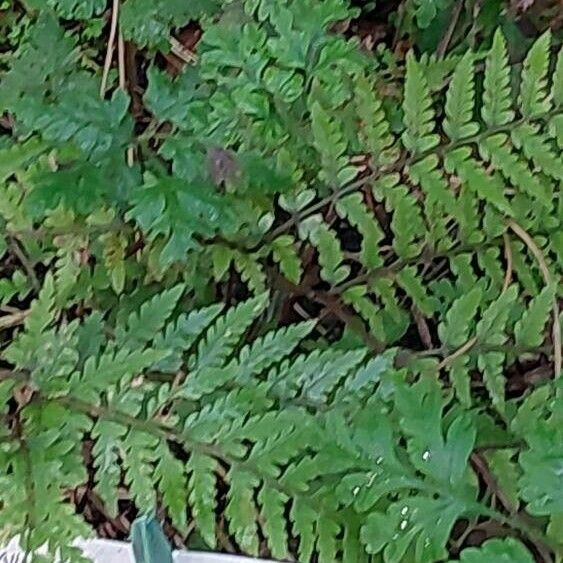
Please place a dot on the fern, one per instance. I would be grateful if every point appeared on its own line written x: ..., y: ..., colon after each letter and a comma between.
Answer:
x: 162, y: 244
x: 268, y: 451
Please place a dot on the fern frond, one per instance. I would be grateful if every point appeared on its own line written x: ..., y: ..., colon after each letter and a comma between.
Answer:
x: 492, y: 329
x: 419, y: 117
x: 534, y: 96
x: 179, y: 335
x: 428, y: 174
x: 141, y: 326
x: 330, y: 255
x: 528, y: 331
x: 272, y: 504
x: 285, y: 254
x: 460, y: 101
x: 497, y: 92
x: 241, y: 511
x: 454, y: 331
x: 304, y: 521
x: 499, y: 153
x: 332, y: 148
x: 271, y: 348
x: 225, y: 333
x: 140, y: 450
x: 201, y: 499
x: 489, y: 187
x: 537, y: 149
x: 509, y: 549
x: 374, y: 127
x: 354, y: 210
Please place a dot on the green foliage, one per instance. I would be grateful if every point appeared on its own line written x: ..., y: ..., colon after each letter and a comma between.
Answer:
x: 159, y: 242
x: 148, y: 22
x: 508, y: 550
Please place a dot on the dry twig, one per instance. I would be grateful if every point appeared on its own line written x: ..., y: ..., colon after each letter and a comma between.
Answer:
x: 110, y: 47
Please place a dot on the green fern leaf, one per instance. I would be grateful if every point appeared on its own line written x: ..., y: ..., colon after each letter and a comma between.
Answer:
x: 354, y: 210
x: 180, y: 334
x: 201, y: 498
x: 408, y: 279
x: 426, y: 522
x: 114, y: 260
x: 439, y: 195
x: 419, y: 116
x: 142, y: 325
x: 496, y: 149
x: 113, y: 366
x: 537, y: 148
x: 304, y: 520
x: 374, y: 127
x: 460, y: 101
x: 108, y: 437
x: 17, y: 157
x: 171, y: 479
x: 272, y: 503
x: 43, y: 310
x: 327, y: 545
x: 456, y: 327
x: 78, y: 9
x: 534, y: 96
x: 321, y: 382
x: 454, y: 331
x: 506, y: 550
x: 492, y: 330
x: 148, y: 22
x: 285, y: 254
x: 328, y: 246
x: 357, y: 297
x: 529, y: 329
x: 170, y: 208
x: 497, y: 100
x: 488, y: 187
x: 250, y: 271
x: 328, y: 139
x: 367, y: 375
x: 489, y: 261
x: 271, y: 348
x: 352, y: 548
x: 140, y: 448
x: 507, y: 473
x: 225, y: 333
x: 241, y: 512
x: 407, y: 223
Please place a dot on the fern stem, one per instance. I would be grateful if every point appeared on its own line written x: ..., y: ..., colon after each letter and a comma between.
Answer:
x: 509, y: 263
x: 459, y: 352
